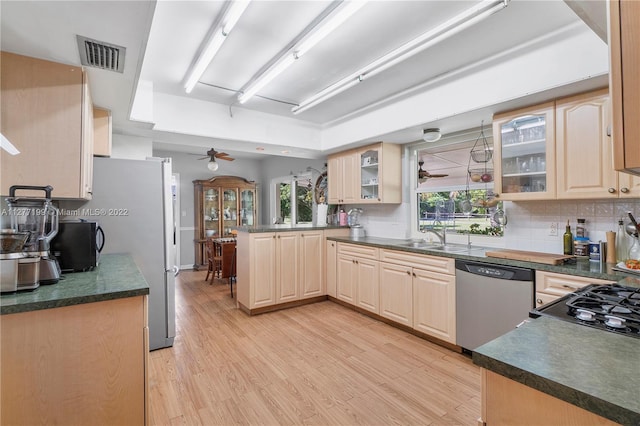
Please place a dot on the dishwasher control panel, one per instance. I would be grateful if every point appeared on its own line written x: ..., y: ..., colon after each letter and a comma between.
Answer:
x: 490, y: 271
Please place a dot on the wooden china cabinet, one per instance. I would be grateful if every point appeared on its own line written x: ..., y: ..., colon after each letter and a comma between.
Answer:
x: 221, y: 203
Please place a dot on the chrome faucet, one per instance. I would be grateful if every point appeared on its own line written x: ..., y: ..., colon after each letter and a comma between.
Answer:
x: 442, y: 235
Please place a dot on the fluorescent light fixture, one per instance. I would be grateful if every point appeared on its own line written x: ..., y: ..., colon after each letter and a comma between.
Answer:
x: 463, y: 20
x: 332, y: 21
x: 265, y: 78
x: 217, y: 37
x: 8, y: 146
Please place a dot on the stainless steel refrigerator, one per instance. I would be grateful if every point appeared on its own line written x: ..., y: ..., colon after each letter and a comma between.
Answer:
x: 134, y: 201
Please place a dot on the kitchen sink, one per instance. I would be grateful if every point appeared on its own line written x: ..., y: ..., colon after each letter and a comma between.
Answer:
x: 446, y: 248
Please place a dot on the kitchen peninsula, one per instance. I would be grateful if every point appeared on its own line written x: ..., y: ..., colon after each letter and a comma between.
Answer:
x: 76, y: 352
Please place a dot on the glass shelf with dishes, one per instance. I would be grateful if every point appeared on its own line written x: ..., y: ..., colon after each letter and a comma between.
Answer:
x: 369, y: 175
x: 524, y: 140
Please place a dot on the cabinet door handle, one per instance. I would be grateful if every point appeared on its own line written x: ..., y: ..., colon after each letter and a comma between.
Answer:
x: 568, y: 287
x: 408, y: 272
x: 624, y: 189
x: 611, y: 190
x: 414, y: 275
x: 302, y: 235
x: 539, y: 301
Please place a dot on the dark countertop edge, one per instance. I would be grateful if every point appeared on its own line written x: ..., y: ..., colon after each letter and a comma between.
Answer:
x: 565, y: 393
x: 280, y: 228
x: 78, y: 300
x: 569, y: 269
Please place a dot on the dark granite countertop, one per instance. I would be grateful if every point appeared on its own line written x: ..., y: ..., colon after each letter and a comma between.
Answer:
x: 116, y: 277
x: 580, y: 267
x: 592, y: 369
x: 284, y: 228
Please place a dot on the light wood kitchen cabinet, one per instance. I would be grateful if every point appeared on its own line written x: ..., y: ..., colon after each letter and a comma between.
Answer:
x: 277, y: 268
x: 433, y: 291
x: 311, y: 263
x: 102, y: 128
x: 47, y: 115
x: 330, y: 257
x: 581, y: 127
x: 220, y: 204
x: 624, y: 39
x: 434, y: 302
x: 331, y: 262
x: 396, y: 293
x: 286, y: 272
x: 358, y: 276
x: 507, y: 402
x: 256, y: 269
x: 524, y: 153
x: 368, y: 175
x: 82, y: 364
x: 342, y: 179
x: 551, y: 285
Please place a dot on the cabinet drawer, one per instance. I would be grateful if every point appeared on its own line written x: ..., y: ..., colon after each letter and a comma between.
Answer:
x: 561, y: 284
x: 358, y: 251
x: 442, y: 265
x: 544, y: 298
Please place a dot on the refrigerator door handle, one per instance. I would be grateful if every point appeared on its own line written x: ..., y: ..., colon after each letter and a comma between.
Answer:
x: 175, y: 269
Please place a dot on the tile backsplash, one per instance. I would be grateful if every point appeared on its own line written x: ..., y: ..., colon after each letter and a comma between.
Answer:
x: 528, y: 225
x: 529, y: 222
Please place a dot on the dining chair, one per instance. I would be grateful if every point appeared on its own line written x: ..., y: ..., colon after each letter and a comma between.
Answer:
x: 214, y: 260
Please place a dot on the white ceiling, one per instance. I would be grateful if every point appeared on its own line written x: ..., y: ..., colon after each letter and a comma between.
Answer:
x: 163, y: 38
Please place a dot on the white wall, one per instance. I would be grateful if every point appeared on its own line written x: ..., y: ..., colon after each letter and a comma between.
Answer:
x: 190, y: 169
x: 131, y: 147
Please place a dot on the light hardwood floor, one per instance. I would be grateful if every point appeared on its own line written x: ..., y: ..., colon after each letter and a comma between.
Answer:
x: 320, y: 364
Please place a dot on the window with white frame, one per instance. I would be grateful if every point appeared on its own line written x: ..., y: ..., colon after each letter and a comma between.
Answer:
x: 292, y: 199
x: 450, y: 191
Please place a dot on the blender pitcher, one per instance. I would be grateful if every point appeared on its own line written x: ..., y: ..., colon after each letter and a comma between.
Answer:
x: 40, y: 218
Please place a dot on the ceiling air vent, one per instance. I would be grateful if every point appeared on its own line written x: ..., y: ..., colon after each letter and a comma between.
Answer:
x: 98, y: 54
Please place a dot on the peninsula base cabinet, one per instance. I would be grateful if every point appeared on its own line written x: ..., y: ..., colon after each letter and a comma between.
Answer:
x: 507, y: 402
x: 276, y: 268
x: 83, y: 364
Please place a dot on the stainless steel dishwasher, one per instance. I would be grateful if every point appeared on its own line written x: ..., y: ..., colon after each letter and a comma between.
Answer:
x: 490, y: 301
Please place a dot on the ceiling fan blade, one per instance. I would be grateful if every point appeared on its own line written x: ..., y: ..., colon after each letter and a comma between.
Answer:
x: 437, y: 175
x: 221, y: 154
x: 226, y: 158
x: 202, y: 158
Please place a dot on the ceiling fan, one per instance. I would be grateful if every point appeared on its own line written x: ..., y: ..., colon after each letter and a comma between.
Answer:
x: 212, y: 154
x: 423, y: 175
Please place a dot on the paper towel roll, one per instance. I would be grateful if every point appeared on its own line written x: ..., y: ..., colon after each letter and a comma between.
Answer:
x: 611, y: 247
x: 321, y: 217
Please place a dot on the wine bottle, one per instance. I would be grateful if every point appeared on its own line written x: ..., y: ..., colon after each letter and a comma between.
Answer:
x: 568, y: 240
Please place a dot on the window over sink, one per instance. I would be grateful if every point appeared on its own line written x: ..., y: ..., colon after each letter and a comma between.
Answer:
x: 450, y: 190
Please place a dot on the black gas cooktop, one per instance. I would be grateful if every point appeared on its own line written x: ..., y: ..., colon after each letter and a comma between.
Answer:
x: 611, y: 307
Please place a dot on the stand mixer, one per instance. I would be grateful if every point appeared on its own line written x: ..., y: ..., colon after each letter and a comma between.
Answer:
x: 39, y: 218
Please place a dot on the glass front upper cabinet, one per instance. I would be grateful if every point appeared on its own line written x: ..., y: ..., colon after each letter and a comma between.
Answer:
x: 370, y: 175
x: 524, y: 153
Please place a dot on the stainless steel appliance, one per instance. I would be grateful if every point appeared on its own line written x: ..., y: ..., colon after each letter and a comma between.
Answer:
x: 356, y: 230
x: 133, y: 202
x: 78, y: 245
x: 609, y: 307
x: 490, y: 301
x: 39, y: 217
